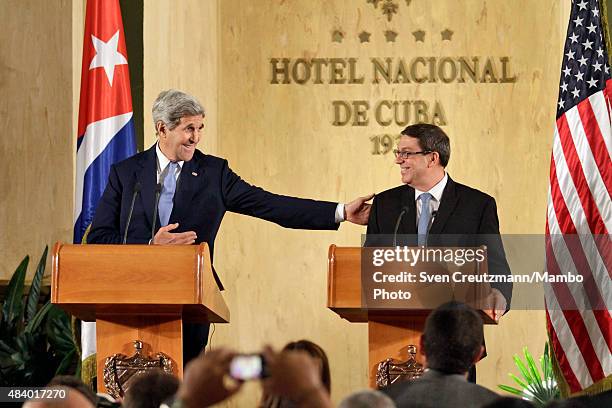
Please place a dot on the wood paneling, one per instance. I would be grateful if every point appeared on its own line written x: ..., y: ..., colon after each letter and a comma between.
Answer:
x: 281, y: 137
x: 37, y: 146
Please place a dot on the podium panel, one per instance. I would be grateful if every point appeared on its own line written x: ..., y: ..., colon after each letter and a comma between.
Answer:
x: 393, y: 331
x: 137, y: 292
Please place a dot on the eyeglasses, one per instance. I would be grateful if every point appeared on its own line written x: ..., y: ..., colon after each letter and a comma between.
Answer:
x: 405, y: 155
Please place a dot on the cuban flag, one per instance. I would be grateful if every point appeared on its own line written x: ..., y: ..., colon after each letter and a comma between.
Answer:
x: 106, y: 128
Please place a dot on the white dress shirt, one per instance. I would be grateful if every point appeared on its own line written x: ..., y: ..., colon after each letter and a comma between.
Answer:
x: 436, y: 192
x: 163, y: 162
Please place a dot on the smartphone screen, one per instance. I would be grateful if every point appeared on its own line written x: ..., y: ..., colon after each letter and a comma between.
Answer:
x: 246, y: 367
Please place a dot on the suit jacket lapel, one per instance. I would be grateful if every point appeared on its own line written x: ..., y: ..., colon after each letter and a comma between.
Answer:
x: 408, y: 224
x: 186, y: 188
x: 147, y: 176
x: 447, y: 205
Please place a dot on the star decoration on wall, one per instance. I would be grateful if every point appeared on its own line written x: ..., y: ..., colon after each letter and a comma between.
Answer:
x: 390, y: 35
x: 364, y: 37
x: 447, y: 35
x: 337, y: 36
x: 389, y: 8
x: 419, y: 35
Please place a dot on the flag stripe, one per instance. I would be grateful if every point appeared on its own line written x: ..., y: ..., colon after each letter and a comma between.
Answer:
x: 97, y: 137
x: 559, y: 352
x: 601, y: 108
x: 601, y: 163
x: 576, y: 172
x: 566, y: 302
x: 595, y: 162
x: 579, y: 263
x: 98, y: 171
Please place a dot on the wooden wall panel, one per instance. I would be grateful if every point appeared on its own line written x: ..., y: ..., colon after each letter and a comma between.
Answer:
x: 281, y: 137
x: 180, y: 51
x: 37, y: 147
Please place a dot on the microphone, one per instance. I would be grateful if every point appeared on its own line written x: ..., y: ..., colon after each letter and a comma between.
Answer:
x: 397, y: 224
x: 137, y: 188
x: 158, y: 189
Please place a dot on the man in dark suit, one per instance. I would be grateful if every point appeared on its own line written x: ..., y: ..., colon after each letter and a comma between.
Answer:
x: 193, y: 191
x: 452, y: 343
x: 432, y: 209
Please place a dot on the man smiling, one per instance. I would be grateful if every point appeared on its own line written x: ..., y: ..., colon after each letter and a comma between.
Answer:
x: 193, y: 191
x: 437, y: 211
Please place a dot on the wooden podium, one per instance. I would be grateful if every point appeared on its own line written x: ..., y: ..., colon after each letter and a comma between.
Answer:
x: 137, y: 292
x: 390, y: 331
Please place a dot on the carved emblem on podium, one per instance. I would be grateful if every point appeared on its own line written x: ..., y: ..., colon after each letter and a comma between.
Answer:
x: 391, y: 371
x: 120, y: 371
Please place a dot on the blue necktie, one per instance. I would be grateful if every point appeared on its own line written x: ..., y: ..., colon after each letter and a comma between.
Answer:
x: 424, y: 218
x: 167, y: 194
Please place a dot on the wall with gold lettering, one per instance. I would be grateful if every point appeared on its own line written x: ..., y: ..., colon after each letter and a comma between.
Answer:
x: 486, y: 70
x: 358, y: 71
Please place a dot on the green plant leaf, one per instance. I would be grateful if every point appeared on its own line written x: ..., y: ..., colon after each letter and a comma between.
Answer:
x: 533, y: 369
x: 12, y: 309
x: 518, y: 380
x: 66, y: 362
x: 34, y: 295
x: 38, y: 318
x: 538, y: 388
x: 546, y: 363
x: 511, y: 390
x: 522, y: 369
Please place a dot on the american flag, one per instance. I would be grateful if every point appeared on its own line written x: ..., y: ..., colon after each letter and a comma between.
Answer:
x: 579, y: 216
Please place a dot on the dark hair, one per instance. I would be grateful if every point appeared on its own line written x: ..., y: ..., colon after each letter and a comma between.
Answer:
x: 453, y: 336
x: 316, y: 352
x: 431, y: 139
x: 150, y: 389
x: 76, y: 384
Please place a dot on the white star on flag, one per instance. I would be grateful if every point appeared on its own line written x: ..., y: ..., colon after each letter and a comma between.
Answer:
x: 107, y: 56
x: 574, y: 38
x: 592, y: 28
x: 592, y: 83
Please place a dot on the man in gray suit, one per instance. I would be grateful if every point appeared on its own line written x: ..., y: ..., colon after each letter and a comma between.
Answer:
x: 452, y: 342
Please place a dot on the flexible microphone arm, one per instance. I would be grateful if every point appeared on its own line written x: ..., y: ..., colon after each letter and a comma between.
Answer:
x: 397, y: 224
x: 158, y: 189
x: 137, y: 188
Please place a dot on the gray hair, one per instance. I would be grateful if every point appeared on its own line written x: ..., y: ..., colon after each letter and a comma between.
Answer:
x: 171, y: 105
x: 367, y: 399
